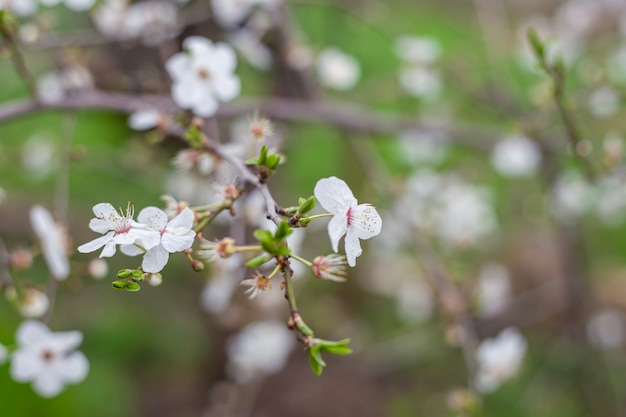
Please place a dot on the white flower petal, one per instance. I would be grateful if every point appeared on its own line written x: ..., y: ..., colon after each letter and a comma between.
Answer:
x: 153, y: 217
x: 226, y: 57
x: 337, y: 227
x: 334, y: 195
x: 184, y: 220
x: 105, y: 211
x: 365, y: 221
x: 73, y: 368
x: 108, y: 251
x: 144, y: 119
x: 31, y: 332
x: 205, y: 107
x: 155, y: 259
x: 131, y: 250
x: 227, y: 87
x: 65, y: 341
x: 353, y: 247
x: 48, y: 384
x: 177, y: 243
x: 26, y: 365
x: 100, y: 225
x: 178, y: 66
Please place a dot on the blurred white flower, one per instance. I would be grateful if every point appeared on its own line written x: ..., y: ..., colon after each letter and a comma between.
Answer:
x: 203, y: 75
x: 421, y: 82
x: 53, y: 239
x: 21, y: 8
x: 176, y: 235
x: 97, y: 268
x: 458, y: 214
x: 494, y: 289
x: 53, y: 86
x: 38, y: 157
x: 516, y: 156
x: 229, y: 13
x: 76, y: 5
x: 604, y: 102
x: 225, y: 277
x: 47, y: 359
x: 251, y: 48
x: 33, y: 303
x: 261, y: 349
x: 417, y: 49
x: 605, y: 328
x: 355, y: 221
x: 417, y: 147
x: 571, y: 196
x: 118, y: 229
x: 415, y: 301
x: 337, y: 70
x: 499, y: 359
x: 609, y: 200
x: 145, y: 119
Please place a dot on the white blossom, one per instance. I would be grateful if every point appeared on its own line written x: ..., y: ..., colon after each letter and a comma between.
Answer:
x: 417, y: 49
x: 118, y: 229
x: 175, y: 236
x: 516, y: 156
x: 494, y: 289
x: 47, y: 359
x: 33, y: 303
x: 21, y: 8
x: 145, y: 119
x: 606, y: 328
x: 229, y: 13
x: 53, y: 239
x: 76, y: 5
x: 421, y: 82
x: 337, y: 70
x: 499, y: 359
x: 355, y: 221
x: 203, y: 75
x: 38, y: 157
x: 262, y: 348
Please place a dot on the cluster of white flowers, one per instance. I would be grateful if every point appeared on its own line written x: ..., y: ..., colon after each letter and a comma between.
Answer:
x: 499, y: 359
x: 203, y: 75
x: 151, y: 21
x: 458, y: 213
x: 153, y: 235
x: 54, y: 86
x: 46, y: 359
x: 573, y: 197
x: 418, y: 75
x: 24, y: 8
x: 355, y: 221
x: 337, y: 70
x: 229, y: 13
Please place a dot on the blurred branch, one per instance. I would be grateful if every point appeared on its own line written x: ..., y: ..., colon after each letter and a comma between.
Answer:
x: 336, y: 113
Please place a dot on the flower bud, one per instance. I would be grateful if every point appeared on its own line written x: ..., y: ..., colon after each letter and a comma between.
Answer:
x: 21, y: 259
x: 155, y: 279
x: 197, y: 265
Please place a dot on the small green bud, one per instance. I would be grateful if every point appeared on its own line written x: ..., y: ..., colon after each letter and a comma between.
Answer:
x: 306, y: 205
x: 133, y: 287
x: 536, y: 43
x: 257, y: 261
x: 119, y: 285
x: 282, y: 231
x: 137, y: 275
x: 262, y: 160
x: 124, y: 273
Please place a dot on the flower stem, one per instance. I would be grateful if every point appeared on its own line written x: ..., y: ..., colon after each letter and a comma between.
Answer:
x: 301, y: 260
x: 318, y: 216
x: 249, y: 248
x: 304, y: 330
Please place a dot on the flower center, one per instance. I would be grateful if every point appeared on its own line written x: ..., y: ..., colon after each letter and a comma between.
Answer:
x: 203, y: 74
x: 47, y: 355
x: 349, y: 216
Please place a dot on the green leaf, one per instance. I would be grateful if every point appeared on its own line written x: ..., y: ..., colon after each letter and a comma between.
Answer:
x: 263, y: 156
x: 272, y: 161
x: 282, y: 231
x: 316, y: 361
x: 252, y: 161
x: 257, y: 261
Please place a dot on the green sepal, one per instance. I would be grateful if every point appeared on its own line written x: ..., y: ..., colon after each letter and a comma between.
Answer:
x: 133, y: 287
x: 119, y: 285
x: 252, y: 161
